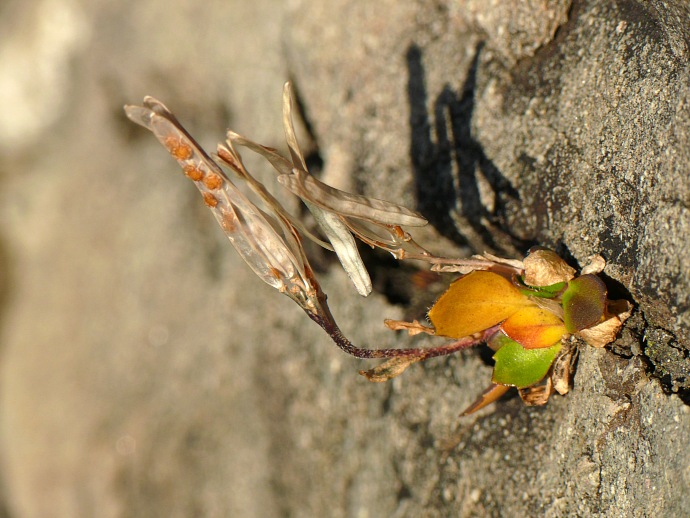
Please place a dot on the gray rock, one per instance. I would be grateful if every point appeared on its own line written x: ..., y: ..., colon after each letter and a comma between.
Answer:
x: 145, y: 372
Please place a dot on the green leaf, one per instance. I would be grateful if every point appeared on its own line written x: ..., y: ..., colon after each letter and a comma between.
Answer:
x: 474, y: 303
x: 584, y: 302
x: 520, y: 367
x: 544, y: 292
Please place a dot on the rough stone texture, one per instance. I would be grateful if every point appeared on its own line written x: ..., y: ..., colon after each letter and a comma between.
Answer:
x: 145, y: 372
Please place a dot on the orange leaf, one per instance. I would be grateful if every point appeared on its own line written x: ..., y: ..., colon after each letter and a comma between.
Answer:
x: 474, y: 303
x: 534, y: 327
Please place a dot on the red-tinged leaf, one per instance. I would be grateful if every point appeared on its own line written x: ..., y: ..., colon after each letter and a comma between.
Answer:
x: 474, y: 303
x: 584, y: 302
x: 534, y: 328
x: 488, y: 396
x: 520, y: 367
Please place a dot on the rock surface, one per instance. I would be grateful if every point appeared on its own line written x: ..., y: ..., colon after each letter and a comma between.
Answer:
x: 145, y: 372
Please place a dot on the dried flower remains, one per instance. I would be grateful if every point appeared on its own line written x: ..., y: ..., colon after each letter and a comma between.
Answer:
x: 526, y: 311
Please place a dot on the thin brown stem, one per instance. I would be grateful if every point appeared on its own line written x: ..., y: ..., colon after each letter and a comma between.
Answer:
x: 329, y: 325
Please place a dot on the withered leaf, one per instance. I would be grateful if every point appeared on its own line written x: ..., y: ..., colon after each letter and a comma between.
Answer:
x: 545, y: 267
x: 602, y: 334
x: 537, y: 395
x: 389, y: 369
x: 413, y: 328
x: 490, y: 395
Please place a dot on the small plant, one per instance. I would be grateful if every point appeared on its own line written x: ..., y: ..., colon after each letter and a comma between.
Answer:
x: 526, y: 311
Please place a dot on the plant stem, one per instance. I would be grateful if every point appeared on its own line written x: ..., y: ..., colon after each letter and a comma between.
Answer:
x: 329, y: 325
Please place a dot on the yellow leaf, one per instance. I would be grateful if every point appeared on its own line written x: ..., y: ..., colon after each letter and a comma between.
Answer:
x: 534, y: 327
x: 474, y: 303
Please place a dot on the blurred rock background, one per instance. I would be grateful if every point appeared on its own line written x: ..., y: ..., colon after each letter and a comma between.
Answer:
x: 145, y: 372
